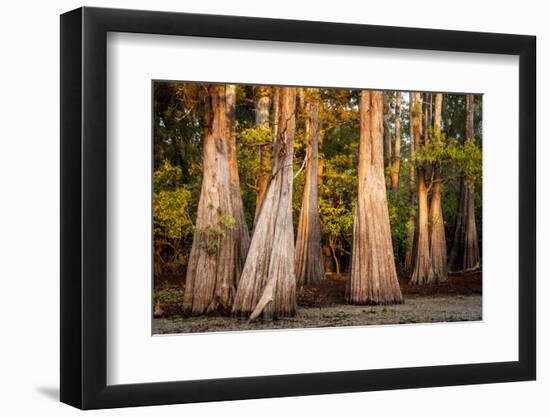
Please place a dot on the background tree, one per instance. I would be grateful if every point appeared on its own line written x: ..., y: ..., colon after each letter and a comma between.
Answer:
x: 262, y: 104
x: 464, y: 255
x: 268, y: 283
x: 414, y: 129
x: 309, y: 259
x: 242, y: 235
x: 211, y: 272
x: 422, y: 271
x: 438, y: 244
x: 373, y: 278
x: 396, y: 152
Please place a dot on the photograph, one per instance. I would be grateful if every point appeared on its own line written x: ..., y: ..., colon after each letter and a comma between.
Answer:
x: 293, y: 207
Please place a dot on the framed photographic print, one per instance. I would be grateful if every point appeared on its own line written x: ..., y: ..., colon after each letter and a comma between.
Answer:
x: 255, y: 208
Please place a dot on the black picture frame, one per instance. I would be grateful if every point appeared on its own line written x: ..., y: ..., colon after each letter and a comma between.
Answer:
x: 84, y: 207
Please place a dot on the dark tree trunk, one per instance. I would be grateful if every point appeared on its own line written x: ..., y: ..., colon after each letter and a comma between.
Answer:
x: 373, y: 278
x: 464, y: 255
x: 438, y: 244
x: 243, y: 237
x: 267, y: 286
x: 309, y: 259
x: 422, y: 271
x: 266, y: 149
x: 211, y: 271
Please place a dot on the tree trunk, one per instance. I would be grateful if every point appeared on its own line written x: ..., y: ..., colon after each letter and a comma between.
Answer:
x: 438, y: 244
x: 309, y: 259
x: 464, y: 255
x: 243, y: 237
x: 396, y: 153
x: 211, y: 271
x: 265, y: 150
x: 387, y: 137
x: 373, y: 278
x: 268, y: 284
x: 411, y: 222
x: 422, y: 270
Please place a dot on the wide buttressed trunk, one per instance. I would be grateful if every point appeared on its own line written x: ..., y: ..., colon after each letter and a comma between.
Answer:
x: 262, y: 105
x: 242, y: 235
x: 308, y: 255
x: 438, y: 244
x: 267, y: 287
x: 373, y: 278
x: 422, y: 272
x: 211, y: 270
x: 464, y: 255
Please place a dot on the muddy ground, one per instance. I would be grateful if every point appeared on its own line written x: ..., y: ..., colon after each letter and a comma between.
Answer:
x: 323, y: 305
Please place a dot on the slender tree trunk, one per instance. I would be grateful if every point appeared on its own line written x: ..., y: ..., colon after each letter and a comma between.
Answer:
x: 267, y: 286
x: 243, y: 237
x: 309, y: 259
x: 464, y: 255
x: 411, y: 222
x: 396, y: 153
x: 422, y: 270
x: 262, y: 124
x: 438, y: 244
x: 373, y: 278
x: 211, y: 271
x: 387, y: 137
x: 332, y: 246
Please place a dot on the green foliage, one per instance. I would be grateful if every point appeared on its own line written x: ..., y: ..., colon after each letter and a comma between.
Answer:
x: 467, y: 159
x: 463, y: 159
x: 178, y: 136
x: 172, y: 225
x: 169, y: 295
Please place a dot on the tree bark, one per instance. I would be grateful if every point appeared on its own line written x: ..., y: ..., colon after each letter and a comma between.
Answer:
x: 243, y: 237
x: 422, y: 271
x: 373, y: 278
x: 387, y: 137
x: 263, y: 102
x: 464, y: 255
x: 396, y: 153
x: 267, y: 286
x: 211, y: 271
x: 308, y: 256
x: 411, y: 222
x: 438, y: 244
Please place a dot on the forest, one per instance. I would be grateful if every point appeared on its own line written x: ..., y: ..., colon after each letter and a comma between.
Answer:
x: 281, y: 207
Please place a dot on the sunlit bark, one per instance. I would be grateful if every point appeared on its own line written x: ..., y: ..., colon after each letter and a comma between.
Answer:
x: 373, y: 278
x: 211, y: 271
x: 243, y: 237
x: 422, y: 270
x: 267, y: 287
x: 438, y: 244
x: 396, y: 152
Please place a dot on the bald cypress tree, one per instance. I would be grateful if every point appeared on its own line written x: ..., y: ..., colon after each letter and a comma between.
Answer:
x: 422, y: 272
x: 464, y: 255
x: 267, y: 287
x: 373, y: 278
x: 242, y: 235
x: 212, y: 269
x: 438, y: 244
x: 309, y: 259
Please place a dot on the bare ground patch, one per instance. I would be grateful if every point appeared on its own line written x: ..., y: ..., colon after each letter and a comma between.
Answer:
x: 416, y: 309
